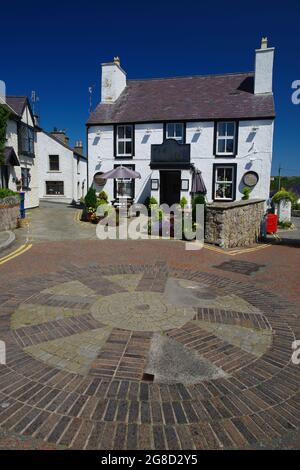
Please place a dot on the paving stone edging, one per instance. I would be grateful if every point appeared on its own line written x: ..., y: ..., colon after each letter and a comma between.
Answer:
x: 257, y: 403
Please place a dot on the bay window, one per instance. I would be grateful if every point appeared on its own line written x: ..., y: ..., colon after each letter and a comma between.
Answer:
x: 26, y: 140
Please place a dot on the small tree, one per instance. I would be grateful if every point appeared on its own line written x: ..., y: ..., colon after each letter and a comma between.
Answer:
x: 90, y: 199
x: 183, y: 202
x: 4, y: 115
x: 283, y: 194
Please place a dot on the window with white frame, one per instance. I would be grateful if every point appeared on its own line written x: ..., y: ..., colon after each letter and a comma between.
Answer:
x: 226, y: 138
x: 124, y: 188
x: 124, y: 141
x: 25, y: 178
x: 175, y: 130
x: 224, y: 183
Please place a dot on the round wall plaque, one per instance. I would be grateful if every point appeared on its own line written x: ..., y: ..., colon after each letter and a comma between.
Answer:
x: 250, y: 178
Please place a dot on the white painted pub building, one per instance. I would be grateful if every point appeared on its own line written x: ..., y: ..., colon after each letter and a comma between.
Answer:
x: 167, y: 128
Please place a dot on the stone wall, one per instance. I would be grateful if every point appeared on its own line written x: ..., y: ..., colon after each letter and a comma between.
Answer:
x: 234, y: 224
x: 9, y: 213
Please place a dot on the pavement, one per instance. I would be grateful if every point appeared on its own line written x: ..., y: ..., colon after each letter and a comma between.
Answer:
x: 7, y: 238
x: 144, y: 345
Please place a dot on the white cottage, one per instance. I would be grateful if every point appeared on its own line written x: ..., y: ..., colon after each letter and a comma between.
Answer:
x: 62, y: 169
x: 166, y: 128
x: 19, y: 170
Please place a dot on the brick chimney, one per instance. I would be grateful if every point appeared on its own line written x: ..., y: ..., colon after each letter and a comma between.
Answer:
x: 78, y: 147
x: 113, y: 81
x: 60, y: 135
x: 264, y: 58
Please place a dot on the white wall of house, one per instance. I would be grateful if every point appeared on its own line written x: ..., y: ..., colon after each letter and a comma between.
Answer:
x: 254, y: 154
x: 70, y: 173
x: 32, y: 194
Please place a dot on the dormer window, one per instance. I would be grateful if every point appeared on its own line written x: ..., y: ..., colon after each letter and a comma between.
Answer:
x: 124, y: 140
x: 175, y: 130
x: 226, y: 138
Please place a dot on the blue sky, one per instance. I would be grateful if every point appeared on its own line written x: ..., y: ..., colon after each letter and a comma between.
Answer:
x: 56, y: 48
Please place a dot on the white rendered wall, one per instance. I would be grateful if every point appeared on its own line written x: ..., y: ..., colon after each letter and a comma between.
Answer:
x: 254, y: 153
x: 263, y: 82
x: 48, y: 146
x: 113, y: 82
x: 31, y: 195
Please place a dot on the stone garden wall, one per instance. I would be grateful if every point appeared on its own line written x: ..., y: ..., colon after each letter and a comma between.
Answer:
x: 9, y: 212
x: 234, y: 224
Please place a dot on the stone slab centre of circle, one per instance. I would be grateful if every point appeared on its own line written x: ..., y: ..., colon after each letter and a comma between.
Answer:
x: 140, y: 311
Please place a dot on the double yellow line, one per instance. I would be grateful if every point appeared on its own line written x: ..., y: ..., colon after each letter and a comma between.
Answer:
x: 22, y: 249
x: 237, y: 252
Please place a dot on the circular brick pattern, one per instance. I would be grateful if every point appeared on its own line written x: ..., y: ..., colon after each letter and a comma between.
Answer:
x: 140, y: 311
x: 256, y: 402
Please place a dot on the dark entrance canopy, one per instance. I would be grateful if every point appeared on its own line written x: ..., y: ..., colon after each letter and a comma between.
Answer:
x: 198, y: 185
x: 121, y: 172
x: 10, y: 157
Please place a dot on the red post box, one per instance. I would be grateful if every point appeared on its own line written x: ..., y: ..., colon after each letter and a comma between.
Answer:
x: 272, y: 223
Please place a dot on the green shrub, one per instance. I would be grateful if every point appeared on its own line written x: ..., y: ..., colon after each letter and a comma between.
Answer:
x: 103, y: 196
x: 101, y: 202
x: 151, y: 202
x: 183, y: 202
x: 283, y: 194
x: 90, y: 199
x: 5, y: 192
x: 296, y: 206
x: 246, y: 193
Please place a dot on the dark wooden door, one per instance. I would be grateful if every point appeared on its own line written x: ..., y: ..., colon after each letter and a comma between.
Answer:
x: 170, y: 182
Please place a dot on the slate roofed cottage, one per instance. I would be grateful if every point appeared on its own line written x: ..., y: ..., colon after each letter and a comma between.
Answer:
x: 166, y: 128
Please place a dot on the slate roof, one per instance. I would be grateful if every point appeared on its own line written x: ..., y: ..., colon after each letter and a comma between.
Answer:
x: 186, y: 98
x: 17, y: 103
